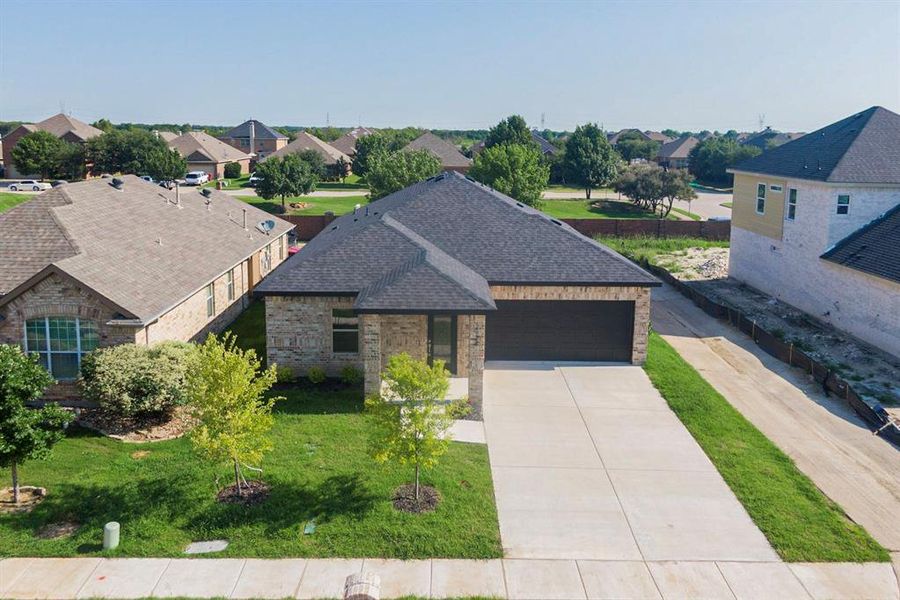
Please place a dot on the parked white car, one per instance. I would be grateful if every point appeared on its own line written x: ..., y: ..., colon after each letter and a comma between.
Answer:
x: 148, y: 179
x: 254, y: 179
x: 29, y: 185
x: 196, y: 178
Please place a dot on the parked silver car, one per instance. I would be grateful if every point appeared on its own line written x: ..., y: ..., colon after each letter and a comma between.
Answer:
x: 29, y: 185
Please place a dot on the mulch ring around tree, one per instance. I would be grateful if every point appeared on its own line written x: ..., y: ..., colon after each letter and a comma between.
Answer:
x: 55, y: 531
x: 137, y: 431
x: 251, y: 493
x: 29, y: 497
x: 405, y: 498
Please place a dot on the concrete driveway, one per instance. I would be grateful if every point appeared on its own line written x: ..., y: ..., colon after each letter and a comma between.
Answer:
x: 590, y: 463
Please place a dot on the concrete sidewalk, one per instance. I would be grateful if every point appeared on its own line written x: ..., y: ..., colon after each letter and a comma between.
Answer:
x: 70, y: 578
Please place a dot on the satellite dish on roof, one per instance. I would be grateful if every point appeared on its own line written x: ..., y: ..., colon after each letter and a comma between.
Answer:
x: 266, y: 226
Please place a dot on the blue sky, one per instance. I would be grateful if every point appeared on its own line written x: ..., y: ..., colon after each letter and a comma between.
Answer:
x: 688, y: 65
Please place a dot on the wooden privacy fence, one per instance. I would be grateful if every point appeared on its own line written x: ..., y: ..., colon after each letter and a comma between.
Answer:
x: 307, y: 226
x: 786, y: 352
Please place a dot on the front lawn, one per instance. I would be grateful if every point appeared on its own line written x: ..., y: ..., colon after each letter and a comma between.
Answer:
x: 319, y: 469
x: 595, y: 209
x: 800, y: 522
x: 250, y: 329
x: 646, y: 248
x: 574, y: 190
x: 10, y: 199
x: 317, y: 205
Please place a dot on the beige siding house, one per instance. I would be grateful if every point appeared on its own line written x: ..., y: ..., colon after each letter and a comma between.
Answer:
x: 105, y: 262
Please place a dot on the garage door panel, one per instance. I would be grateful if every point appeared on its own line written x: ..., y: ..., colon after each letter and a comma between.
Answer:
x: 560, y: 330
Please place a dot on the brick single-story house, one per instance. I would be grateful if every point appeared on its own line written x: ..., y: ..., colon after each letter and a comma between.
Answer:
x: 203, y: 152
x: 450, y: 269
x: 676, y: 154
x: 449, y: 155
x: 307, y: 141
x: 347, y: 142
x: 104, y: 262
x: 816, y: 224
x: 255, y: 137
x: 62, y: 126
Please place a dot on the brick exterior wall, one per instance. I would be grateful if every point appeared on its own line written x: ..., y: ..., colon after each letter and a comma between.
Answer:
x: 639, y: 295
x: 475, y: 355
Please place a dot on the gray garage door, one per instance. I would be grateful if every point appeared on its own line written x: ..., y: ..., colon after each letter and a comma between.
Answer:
x: 560, y: 330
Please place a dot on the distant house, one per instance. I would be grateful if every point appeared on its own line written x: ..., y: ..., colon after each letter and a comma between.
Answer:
x: 203, y: 152
x: 674, y: 154
x: 62, y: 126
x: 816, y: 223
x: 656, y: 136
x: 449, y: 155
x: 347, y: 142
x: 123, y: 260
x: 166, y: 136
x: 546, y: 148
x: 769, y: 138
x: 650, y: 136
x: 254, y: 137
x: 307, y: 141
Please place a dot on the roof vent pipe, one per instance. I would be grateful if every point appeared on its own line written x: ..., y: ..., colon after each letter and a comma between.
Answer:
x: 117, y: 183
x: 177, y: 195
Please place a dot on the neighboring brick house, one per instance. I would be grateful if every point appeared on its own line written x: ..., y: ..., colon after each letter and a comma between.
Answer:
x: 675, y: 154
x: 347, y: 142
x: 203, y: 152
x: 62, y: 126
x: 450, y: 269
x: 449, y: 155
x: 104, y: 262
x: 334, y: 159
x: 815, y: 225
x: 547, y: 149
x: 254, y: 137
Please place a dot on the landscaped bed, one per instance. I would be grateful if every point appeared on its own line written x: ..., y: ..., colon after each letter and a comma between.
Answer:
x: 320, y: 470
x: 800, y: 522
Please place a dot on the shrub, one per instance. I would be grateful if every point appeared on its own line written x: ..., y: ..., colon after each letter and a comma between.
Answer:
x: 136, y: 382
x: 316, y: 375
x: 284, y: 374
x: 232, y: 170
x: 350, y: 375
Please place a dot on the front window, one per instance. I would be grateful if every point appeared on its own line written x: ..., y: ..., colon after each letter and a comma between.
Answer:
x: 843, y: 205
x: 210, y: 300
x: 344, y: 331
x: 60, y: 342
x: 792, y: 204
x: 229, y: 284
x: 761, y: 198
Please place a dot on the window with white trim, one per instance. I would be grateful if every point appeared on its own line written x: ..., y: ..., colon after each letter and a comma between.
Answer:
x: 210, y: 300
x: 229, y: 284
x: 60, y: 342
x: 791, y: 213
x: 760, y: 198
x: 843, y: 204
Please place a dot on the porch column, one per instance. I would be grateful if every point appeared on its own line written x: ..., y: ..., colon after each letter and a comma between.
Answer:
x: 476, y: 358
x: 371, y: 352
x: 641, y: 325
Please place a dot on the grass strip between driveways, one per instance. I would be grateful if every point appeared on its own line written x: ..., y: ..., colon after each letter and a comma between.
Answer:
x: 10, y: 199
x: 800, y: 522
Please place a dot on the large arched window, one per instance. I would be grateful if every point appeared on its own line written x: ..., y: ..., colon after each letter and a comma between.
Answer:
x: 60, y: 343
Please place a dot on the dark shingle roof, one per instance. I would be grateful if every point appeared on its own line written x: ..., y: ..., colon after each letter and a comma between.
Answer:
x: 546, y: 147
x: 447, y: 153
x: 863, y: 148
x: 439, y: 245
x: 679, y: 148
x: 260, y: 131
x: 873, y: 249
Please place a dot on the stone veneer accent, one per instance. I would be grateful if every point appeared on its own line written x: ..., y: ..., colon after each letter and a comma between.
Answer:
x: 640, y: 296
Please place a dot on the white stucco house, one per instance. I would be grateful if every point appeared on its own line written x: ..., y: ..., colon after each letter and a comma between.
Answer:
x: 816, y: 224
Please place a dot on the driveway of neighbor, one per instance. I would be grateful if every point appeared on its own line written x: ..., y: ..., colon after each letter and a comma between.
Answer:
x: 590, y: 463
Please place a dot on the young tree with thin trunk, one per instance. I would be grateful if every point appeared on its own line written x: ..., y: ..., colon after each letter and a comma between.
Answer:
x: 410, y: 418
x: 25, y: 433
x: 285, y: 177
x: 226, y: 389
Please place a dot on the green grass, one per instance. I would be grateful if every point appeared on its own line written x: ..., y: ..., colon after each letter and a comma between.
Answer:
x: 250, y: 329
x: 727, y: 204
x: 594, y: 209
x: 351, y: 182
x: 319, y: 469
x: 800, y: 522
x: 575, y: 190
x: 10, y: 199
x: 646, y: 248
x: 689, y: 215
x: 318, y: 205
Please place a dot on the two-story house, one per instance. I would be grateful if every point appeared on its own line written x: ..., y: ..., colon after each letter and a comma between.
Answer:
x: 255, y: 137
x: 816, y: 224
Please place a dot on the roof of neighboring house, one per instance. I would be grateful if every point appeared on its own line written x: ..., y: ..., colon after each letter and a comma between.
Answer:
x: 260, y: 131
x: 134, y: 246
x: 347, y: 142
x: 199, y: 146
x: 656, y: 136
x: 769, y: 138
x: 863, y: 148
x: 546, y: 147
x: 679, y: 148
x: 873, y: 249
x: 166, y: 136
x: 614, y: 138
x: 438, y: 245
x: 307, y: 141
x: 447, y: 153
x: 61, y: 124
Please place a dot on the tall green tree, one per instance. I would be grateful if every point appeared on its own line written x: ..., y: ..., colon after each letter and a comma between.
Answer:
x: 165, y: 164
x: 226, y: 389
x: 38, y: 152
x: 709, y: 159
x: 382, y: 141
x: 676, y: 185
x: 517, y: 170
x: 633, y: 145
x: 284, y: 177
x: 25, y: 433
x: 511, y: 130
x: 124, y: 151
x: 410, y: 418
x: 390, y: 172
x: 590, y: 161
x: 104, y: 125
x: 315, y: 161
x: 70, y: 162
